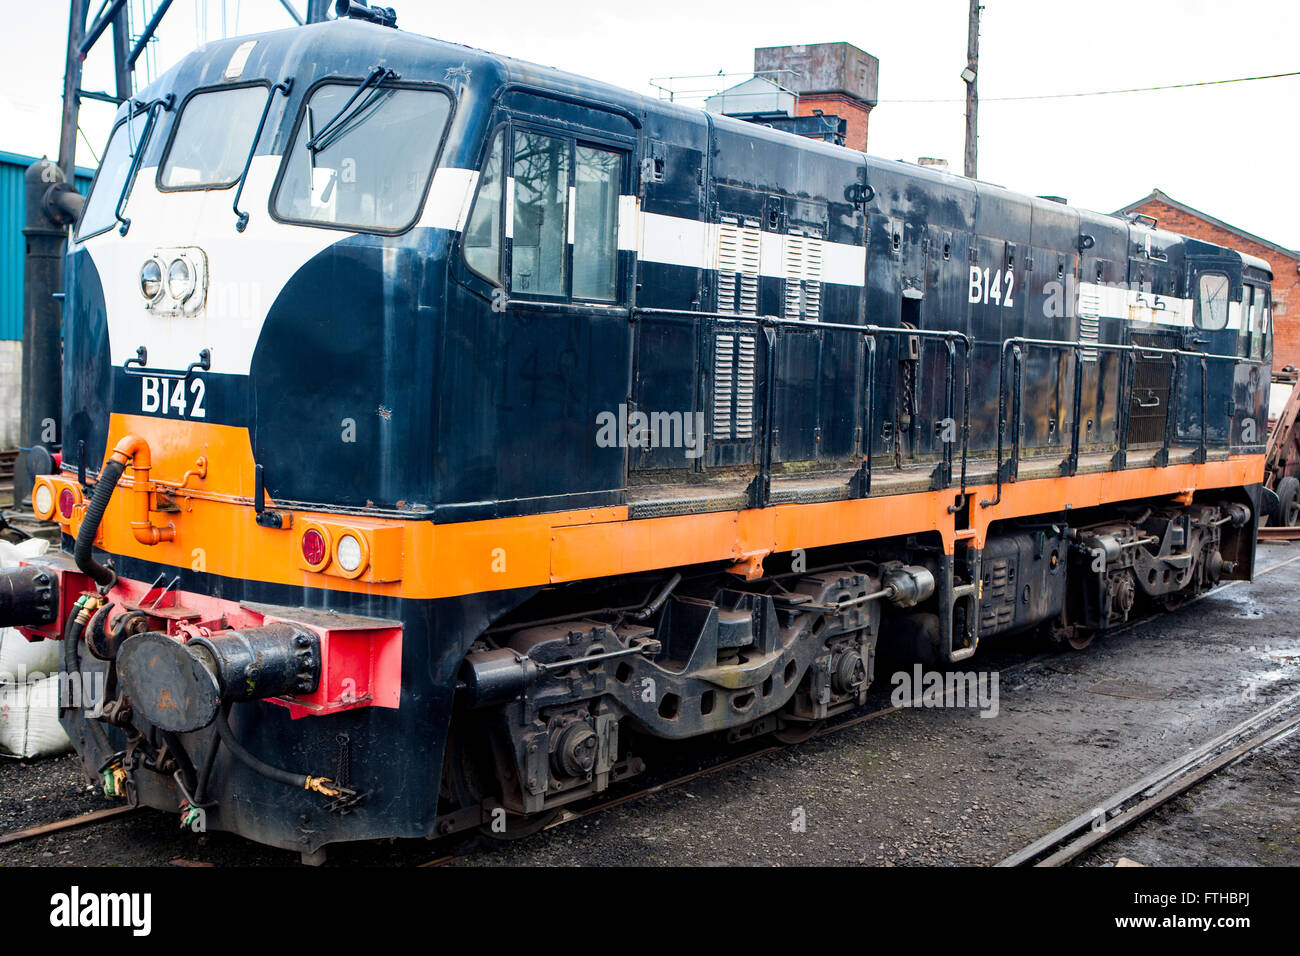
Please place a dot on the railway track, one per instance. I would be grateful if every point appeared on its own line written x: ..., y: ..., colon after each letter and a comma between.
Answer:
x: 568, y: 815
x: 85, y: 819
x: 1279, y: 533
x: 1121, y: 809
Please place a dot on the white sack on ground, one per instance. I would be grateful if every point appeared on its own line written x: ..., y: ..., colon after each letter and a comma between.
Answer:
x: 29, y: 720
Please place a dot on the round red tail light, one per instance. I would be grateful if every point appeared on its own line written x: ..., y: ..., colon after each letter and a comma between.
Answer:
x: 67, y: 500
x: 314, y: 548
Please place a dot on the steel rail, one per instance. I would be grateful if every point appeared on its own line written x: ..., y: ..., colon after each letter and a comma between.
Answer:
x: 95, y: 816
x: 1279, y: 533
x: 1119, y: 811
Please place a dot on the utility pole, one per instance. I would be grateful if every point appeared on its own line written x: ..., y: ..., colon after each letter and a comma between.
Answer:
x: 72, y: 87
x: 971, y: 76
x: 122, y: 73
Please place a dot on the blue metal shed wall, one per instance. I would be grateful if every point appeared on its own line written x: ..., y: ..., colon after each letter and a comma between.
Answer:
x: 12, y: 211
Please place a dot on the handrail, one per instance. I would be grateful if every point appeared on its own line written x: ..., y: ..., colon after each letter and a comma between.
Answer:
x: 151, y: 111
x: 869, y: 332
x: 141, y: 360
x: 1017, y: 345
x: 241, y: 218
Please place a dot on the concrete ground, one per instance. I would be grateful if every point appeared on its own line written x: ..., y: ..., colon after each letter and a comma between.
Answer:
x: 937, y: 786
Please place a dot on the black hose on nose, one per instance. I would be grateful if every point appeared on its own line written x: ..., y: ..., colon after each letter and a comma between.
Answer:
x: 300, y: 781
x: 245, y: 756
x: 83, y: 553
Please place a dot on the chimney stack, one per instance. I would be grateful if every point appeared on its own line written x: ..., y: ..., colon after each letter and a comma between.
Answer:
x: 836, y: 79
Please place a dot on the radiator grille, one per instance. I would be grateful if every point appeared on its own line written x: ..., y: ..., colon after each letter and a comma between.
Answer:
x: 1089, y: 321
x: 724, y: 359
x: 739, y: 249
x: 803, y: 275
x: 745, y: 387
x: 734, y: 382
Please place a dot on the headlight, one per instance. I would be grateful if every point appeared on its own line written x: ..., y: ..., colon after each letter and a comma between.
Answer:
x: 43, y: 501
x: 180, y: 280
x: 349, y: 553
x: 151, y: 280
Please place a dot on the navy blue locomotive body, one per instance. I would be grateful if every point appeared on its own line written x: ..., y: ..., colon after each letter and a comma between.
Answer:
x: 439, y: 426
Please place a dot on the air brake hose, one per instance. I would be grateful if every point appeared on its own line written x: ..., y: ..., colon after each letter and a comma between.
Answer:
x: 201, y: 788
x: 301, y: 781
x: 83, y: 553
x: 72, y: 661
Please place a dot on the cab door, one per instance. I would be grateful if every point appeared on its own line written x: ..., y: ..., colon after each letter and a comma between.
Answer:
x: 1215, y: 287
x: 1251, y: 378
x: 541, y: 246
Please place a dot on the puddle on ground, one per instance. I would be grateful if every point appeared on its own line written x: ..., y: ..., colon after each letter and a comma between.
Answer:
x: 1133, y: 690
x: 1251, y: 609
x: 1254, y: 681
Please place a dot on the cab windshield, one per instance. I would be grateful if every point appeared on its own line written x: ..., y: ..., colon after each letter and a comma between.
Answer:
x: 362, y: 157
x: 213, y: 138
x: 101, y: 206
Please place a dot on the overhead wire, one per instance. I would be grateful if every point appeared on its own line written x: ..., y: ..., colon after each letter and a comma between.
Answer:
x: 1132, y: 89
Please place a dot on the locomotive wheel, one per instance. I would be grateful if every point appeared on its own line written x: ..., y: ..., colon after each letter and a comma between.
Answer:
x: 1072, y: 636
x: 518, y: 826
x: 1288, y: 501
x: 1172, y: 602
x: 796, y: 732
x: 1078, y: 638
x: 469, y: 779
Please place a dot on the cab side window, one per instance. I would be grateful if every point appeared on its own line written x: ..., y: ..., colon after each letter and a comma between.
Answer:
x: 1255, y: 321
x: 538, y: 262
x: 545, y: 219
x: 597, y: 180
x: 1243, y: 334
x: 1211, y: 310
x: 1265, y: 324
x: 483, y: 231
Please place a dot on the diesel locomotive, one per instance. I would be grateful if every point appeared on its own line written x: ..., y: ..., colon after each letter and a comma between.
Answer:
x: 440, y: 429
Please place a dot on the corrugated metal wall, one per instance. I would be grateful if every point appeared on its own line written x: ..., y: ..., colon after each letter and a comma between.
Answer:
x: 12, y: 211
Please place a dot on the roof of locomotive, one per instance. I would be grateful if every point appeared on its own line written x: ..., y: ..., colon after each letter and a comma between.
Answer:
x: 355, y: 46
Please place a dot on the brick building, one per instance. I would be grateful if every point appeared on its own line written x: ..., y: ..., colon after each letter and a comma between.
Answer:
x: 1170, y: 214
x: 819, y: 90
x: 834, y: 79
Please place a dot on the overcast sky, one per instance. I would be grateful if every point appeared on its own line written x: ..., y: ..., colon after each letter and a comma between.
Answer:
x: 1229, y: 150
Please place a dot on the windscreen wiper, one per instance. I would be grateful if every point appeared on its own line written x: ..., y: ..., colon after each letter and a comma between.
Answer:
x: 241, y: 221
x: 151, y: 108
x: 336, y: 127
